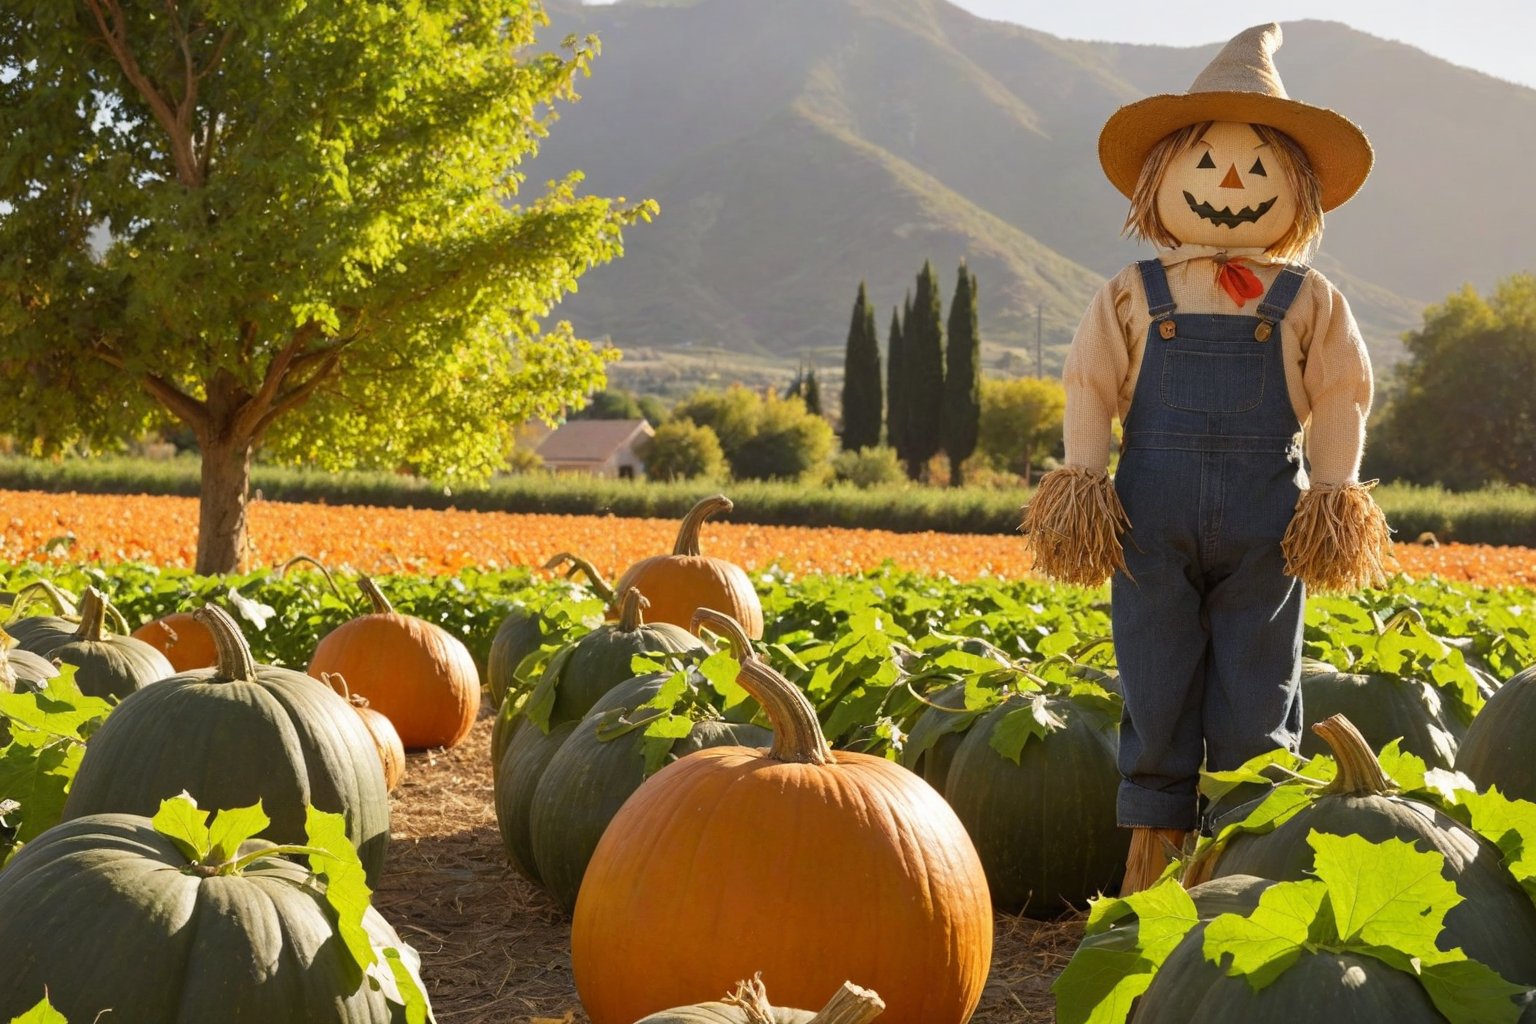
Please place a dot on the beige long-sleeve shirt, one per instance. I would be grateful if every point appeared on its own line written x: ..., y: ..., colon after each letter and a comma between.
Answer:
x: 1327, y: 370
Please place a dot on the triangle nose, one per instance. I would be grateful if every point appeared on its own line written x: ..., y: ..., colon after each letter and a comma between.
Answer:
x: 1232, y: 180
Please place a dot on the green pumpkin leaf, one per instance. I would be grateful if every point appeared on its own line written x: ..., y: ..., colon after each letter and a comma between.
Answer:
x: 1116, y: 965
x: 407, y: 990
x: 42, y: 1013
x: 57, y: 710
x: 1035, y: 720
x: 1511, y: 826
x: 1468, y: 992
x: 660, y: 733
x: 721, y: 670
x: 230, y: 828
x: 1384, y: 894
x: 181, y: 821
x: 334, y: 859
x: 1269, y: 940
x: 542, y: 700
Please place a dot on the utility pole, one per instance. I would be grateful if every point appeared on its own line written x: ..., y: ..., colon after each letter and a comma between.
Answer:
x: 1039, y: 349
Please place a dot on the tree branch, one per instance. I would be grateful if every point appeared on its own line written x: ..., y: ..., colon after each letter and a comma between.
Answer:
x: 299, y: 394
x: 191, y: 411
x: 255, y: 408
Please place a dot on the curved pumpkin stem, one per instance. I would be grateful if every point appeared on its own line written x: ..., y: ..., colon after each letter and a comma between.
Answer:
x: 93, y: 616
x: 632, y: 610
x: 62, y: 603
x: 332, y: 678
x: 331, y: 580
x: 370, y: 589
x: 797, y: 734
x: 1360, y: 774
x: 600, y: 586
x: 235, y: 662
x: 688, y: 533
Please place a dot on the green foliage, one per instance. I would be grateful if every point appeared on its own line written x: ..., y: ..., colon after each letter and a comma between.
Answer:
x: 48, y: 730
x: 1461, y: 413
x: 763, y: 437
x: 896, y: 386
x: 610, y: 405
x: 923, y: 375
x: 1020, y: 421
x: 863, y: 393
x: 682, y: 450
x: 42, y: 1013
x: 287, y: 272
x: 1104, y: 978
x: 962, y: 377
x: 868, y: 467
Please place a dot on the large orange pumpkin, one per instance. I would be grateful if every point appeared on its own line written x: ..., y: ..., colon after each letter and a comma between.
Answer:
x: 185, y: 642
x: 807, y: 865
x: 416, y: 674
x: 686, y: 580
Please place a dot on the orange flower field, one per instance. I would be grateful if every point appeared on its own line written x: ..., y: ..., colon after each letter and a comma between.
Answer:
x: 163, y: 531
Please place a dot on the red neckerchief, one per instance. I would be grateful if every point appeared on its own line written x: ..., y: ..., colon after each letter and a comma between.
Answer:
x: 1237, y: 280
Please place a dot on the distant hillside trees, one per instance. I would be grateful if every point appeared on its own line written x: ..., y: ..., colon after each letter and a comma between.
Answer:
x: 962, y: 378
x: 1461, y: 411
x: 923, y: 334
x: 863, y: 393
x: 806, y: 388
x: 762, y: 437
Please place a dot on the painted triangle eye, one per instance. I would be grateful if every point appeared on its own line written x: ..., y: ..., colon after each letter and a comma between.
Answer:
x: 1258, y: 168
x: 1206, y: 161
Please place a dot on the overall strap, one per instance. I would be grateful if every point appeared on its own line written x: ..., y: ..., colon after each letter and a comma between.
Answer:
x: 1160, y: 304
x: 1281, y: 294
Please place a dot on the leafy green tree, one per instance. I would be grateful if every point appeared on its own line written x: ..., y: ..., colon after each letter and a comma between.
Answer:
x: 811, y: 393
x: 288, y: 227
x: 962, y: 378
x: 874, y: 466
x: 611, y: 405
x: 1020, y: 421
x: 682, y: 450
x: 732, y: 414
x: 653, y: 409
x: 790, y: 443
x: 895, y: 387
x: 862, y: 398
x: 923, y: 374
x: 1461, y: 410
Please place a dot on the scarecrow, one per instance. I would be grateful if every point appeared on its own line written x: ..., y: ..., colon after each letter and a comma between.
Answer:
x: 1242, y: 386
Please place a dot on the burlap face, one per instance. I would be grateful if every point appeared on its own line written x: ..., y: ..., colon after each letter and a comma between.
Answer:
x: 1228, y: 189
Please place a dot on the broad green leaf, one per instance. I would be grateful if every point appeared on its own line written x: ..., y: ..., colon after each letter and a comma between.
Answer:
x: 1106, y: 974
x: 542, y: 700
x: 406, y: 990
x: 1468, y: 992
x: 1263, y: 944
x: 230, y: 828
x: 661, y: 732
x: 1511, y: 826
x: 1035, y: 720
x: 346, y: 887
x: 1384, y: 894
x: 42, y: 1013
x: 181, y: 821
x: 58, y: 709
x: 721, y: 670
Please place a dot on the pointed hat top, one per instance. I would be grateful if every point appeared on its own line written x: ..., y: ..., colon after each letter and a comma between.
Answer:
x: 1240, y: 84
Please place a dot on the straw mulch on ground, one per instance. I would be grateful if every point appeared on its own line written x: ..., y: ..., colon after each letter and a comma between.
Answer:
x: 494, y: 948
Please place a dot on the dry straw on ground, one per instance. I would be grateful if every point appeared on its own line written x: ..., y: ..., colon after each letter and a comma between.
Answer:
x: 496, y: 949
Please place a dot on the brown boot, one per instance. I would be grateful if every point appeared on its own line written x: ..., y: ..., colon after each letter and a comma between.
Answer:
x: 1150, y: 851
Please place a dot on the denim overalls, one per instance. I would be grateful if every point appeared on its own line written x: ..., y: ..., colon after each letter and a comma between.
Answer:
x: 1207, y: 625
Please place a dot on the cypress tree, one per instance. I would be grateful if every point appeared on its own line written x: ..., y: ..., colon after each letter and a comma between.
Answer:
x: 896, y: 392
x: 924, y: 374
x: 861, y: 379
x: 962, y: 378
x: 811, y: 392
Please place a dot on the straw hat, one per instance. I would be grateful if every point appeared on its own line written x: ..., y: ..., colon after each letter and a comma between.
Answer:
x: 1241, y: 84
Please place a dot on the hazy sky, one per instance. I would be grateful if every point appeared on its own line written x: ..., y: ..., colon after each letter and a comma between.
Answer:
x: 1493, y: 36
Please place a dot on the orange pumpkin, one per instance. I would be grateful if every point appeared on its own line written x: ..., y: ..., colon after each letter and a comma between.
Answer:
x: 417, y: 674
x: 686, y: 580
x: 385, y: 738
x: 185, y: 642
x: 807, y: 865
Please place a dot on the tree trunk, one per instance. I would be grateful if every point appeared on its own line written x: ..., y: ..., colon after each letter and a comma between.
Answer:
x: 226, y: 486
x: 957, y: 472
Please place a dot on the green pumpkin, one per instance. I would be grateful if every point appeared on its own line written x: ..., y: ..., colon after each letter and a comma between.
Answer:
x: 1319, y: 986
x: 521, y: 633
x: 583, y: 672
x: 108, y: 665
x: 595, y: 770
x: 527, y: 754
x: 1383, y: 708
x: 936, y: 735
x: 37, y: 633
x: 1045, y: 828
x: 232, y: 735
x: 105, y: 913
x: 1496, y: 751
x: 1495, y: 923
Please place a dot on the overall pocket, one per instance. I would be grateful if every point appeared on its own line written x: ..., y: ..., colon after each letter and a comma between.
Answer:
x: 1212, y: 381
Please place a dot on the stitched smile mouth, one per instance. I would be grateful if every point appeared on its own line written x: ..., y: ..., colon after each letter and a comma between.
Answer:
x: 1225, y: 217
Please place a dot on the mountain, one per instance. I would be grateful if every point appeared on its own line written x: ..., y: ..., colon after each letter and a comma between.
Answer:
x: 800, y: 146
